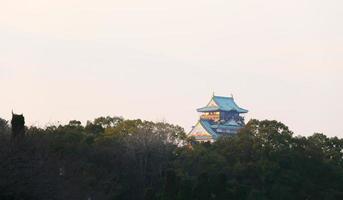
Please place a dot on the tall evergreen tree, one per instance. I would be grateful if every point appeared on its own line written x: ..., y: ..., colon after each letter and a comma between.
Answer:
x: 18, y: 126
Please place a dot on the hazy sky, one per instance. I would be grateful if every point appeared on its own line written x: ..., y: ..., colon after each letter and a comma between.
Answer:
x: 160, y: 60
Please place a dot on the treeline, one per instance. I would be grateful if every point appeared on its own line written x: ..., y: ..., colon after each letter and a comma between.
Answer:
x: 113, y: 158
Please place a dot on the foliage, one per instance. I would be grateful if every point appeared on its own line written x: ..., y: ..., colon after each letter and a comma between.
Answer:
x: 114, y: 158
x: 4, y: 128
x: 18, y: 126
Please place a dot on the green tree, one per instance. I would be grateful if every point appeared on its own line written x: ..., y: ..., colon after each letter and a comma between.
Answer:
x: 4, y: 128
x: 18, y: 126
x: 202, y: 188
x: 171, y: 186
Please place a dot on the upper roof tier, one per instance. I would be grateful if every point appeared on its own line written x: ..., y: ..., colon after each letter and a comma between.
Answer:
x: 219, y: 103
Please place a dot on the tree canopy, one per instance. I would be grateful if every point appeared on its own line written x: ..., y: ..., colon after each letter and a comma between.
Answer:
x: 114, y: 158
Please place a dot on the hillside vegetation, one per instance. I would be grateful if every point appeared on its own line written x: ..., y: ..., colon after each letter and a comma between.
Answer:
x: 113, y: 158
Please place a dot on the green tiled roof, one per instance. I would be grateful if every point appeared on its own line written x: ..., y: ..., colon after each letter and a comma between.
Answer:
x: 207, y: 126
x: 228, y: 125
x: 213, y: 128
x: 223, y: 104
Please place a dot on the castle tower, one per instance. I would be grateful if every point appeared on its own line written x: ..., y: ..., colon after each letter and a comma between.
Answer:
x: 221, y: 116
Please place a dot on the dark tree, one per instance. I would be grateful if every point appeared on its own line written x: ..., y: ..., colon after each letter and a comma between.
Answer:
x: 3, y: 126
x: 18, y: 126
x: 149, y: 194
x: 171, y: 186
x: 185, y: 191
x: 202, y: 190
x: 141, y: 160
x: 219, y: 187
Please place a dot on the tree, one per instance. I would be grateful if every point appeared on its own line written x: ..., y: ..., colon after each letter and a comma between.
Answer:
x: 108, y: 121
x: 171, y: 186
x: 92, y: 128
x: 202, y: 189
x: 4, y: 128
x: 18, y: 126
x: 143, y: 160
x: 219, y: 185
x: 74, y: 123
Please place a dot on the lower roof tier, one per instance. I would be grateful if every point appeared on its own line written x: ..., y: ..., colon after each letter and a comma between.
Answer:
x: 212, y: 130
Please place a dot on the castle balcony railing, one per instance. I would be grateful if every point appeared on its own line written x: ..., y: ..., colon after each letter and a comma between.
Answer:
x: 214, y: 117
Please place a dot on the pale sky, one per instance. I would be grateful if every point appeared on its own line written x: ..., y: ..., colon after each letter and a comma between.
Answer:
x: 160, y: 60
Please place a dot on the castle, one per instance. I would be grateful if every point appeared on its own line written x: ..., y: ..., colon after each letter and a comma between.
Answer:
x: 221, y: 116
